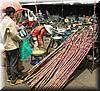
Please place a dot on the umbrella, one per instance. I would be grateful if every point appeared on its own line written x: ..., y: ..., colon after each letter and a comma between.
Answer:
x: 13, y: 3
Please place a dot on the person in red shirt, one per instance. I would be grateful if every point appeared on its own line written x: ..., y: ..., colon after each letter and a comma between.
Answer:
x: 38, y: 33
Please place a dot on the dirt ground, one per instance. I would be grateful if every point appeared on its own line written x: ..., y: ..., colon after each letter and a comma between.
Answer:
x: 82, y: 79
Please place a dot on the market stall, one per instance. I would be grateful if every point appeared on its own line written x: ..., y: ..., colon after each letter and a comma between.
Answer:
x: 54, y: 71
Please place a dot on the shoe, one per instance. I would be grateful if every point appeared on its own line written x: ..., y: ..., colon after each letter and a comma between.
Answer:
x: 19, y: 81
x: 12, y: 84
x: 8, y: 80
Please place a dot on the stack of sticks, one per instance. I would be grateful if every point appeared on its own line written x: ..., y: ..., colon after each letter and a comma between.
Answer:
x: 54, y: 70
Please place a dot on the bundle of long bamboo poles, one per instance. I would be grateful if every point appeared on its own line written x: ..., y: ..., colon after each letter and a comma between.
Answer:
x: 55, y: 69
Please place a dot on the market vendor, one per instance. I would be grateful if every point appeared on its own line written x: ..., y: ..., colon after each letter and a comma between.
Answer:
x: 37, y: 34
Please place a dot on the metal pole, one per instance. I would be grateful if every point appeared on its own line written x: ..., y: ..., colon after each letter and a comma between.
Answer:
x: 62, y: 8
x: 37, y: 12
x: 94, y: 6
x: 36, y: 9
x: 93, y: 37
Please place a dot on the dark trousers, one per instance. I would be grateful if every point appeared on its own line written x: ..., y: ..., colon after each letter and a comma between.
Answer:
x: 12, y: 64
